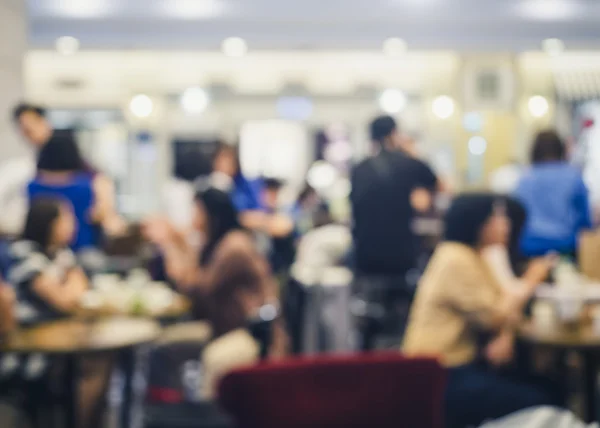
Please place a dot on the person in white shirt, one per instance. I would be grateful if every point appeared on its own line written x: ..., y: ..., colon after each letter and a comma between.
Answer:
x: 19, y: 171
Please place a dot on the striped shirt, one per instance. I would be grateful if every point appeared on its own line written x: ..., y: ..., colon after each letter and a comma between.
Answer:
x: 29, y: 261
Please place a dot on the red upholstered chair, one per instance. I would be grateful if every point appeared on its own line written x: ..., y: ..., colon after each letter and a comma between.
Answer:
x: 371, y: 391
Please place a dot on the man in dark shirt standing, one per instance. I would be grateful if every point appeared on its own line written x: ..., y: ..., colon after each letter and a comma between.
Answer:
x: 388, y: 189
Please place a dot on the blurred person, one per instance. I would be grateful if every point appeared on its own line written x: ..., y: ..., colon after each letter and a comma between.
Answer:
x: 307, y: 204
x: 458, y: 299
x: 178, y: 193
x: 17, y: 172
x: 505, y: 179
x: 555, y: 197
x: 387, y: 190
x: 216, y: 220
x: 62, y: 172
x: 50, y: 285
x: 281, y: 247
x: 44, y: 271
x: 246, y: 195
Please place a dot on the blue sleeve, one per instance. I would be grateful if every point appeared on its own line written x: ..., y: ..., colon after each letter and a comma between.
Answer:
x: 582, y: 206
x: 245, y: 197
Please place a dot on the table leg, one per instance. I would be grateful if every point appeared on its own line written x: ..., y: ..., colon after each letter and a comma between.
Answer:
x: 127, y: 363
x: 590, y: 384
x: 70, y: 400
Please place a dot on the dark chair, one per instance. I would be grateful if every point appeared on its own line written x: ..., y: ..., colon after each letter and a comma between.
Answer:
x: 174, y: 380
x: 379, y: 390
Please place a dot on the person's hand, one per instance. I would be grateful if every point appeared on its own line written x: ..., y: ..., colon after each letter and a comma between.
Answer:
x: 539, y: 269
x: 158, y: 231
x: 500, y: 351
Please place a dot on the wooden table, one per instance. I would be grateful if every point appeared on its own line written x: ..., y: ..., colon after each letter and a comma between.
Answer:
x: 581, y: 339
x: 72, y: 338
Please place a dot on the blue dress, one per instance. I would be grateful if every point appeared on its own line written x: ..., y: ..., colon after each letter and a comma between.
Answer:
x: 80, y: 193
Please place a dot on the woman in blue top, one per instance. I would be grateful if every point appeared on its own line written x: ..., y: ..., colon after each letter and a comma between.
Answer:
x: 61, y: 172
x: 555, y: 197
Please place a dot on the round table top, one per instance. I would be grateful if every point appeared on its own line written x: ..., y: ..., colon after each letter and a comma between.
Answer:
x: 561, y: 336
x: 76, y: 336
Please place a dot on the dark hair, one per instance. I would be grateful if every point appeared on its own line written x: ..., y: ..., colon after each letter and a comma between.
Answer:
x: 306, y: 192
x: 548, y: 147
x: 518, y: 216
x: 222, y: 218
x: 467, y: 215
x: 272, y: 183
x: 22, y: 108
x: 193, y: 166
x: 382, y: 127
x: 43, y: 211
x: 61, y: 153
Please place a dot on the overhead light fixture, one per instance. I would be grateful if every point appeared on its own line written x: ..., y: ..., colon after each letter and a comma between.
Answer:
x: 394, y: 47
x: 321, y: 175
x: 538, y: 106
x: 234, y: 47
x: 194, y: 9
x: 141, y: 106
x: 443, y: 107
x: 473, y: 122
x: 392, y: 101
x: 194, y: 100
x: 477, y: 145
x: 548, y: 10
x: 82, y: 8
x: 553, y: 47
x: 67, y: 45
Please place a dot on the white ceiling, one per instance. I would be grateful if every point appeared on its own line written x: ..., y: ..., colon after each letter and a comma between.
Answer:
x: 317, y: 24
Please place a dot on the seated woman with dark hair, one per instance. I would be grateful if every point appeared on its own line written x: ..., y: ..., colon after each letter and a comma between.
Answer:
x: 230, y: 281
x: 44, y: 272
x: 63, y: 173
x: 460, y: 298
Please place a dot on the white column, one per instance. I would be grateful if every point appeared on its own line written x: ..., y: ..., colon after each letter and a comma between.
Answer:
x: 13, y: 45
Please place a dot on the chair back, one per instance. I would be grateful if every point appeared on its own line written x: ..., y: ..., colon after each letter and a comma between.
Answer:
x: 378, y: 390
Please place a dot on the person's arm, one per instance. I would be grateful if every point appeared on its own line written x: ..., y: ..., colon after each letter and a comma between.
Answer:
x: 7, y: 309
x: 104, y: 210
x: 63, y: 296
x: 181, y: 259
x: 484, y: 309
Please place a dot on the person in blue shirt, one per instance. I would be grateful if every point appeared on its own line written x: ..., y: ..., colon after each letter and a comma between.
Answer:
x: 246, y: 195
x: 555, y: 197
x: 62, y: 173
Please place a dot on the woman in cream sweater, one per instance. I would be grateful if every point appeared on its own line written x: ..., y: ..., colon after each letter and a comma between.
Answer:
x: 460, y: 299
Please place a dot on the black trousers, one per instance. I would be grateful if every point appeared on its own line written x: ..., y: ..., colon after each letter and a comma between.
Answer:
x: 476, y: 393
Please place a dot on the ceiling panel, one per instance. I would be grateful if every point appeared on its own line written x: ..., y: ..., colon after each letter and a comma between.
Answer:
x: 316, y: 24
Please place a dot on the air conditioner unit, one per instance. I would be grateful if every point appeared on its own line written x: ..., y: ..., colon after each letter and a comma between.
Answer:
x: 489, y: 85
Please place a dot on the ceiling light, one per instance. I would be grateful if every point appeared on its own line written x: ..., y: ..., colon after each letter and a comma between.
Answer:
x: 67, y: 45
x: 194, y: 9
x: 392, y: 101
x: 321, y: 175
x: 141, y: 106
x: 473, y: 122
x: 443, y: 107
x: 394, y: 47
x: 82, y: 8
x: 294, y: 108
x: 194, y: 100
x: 234, y: 47
x: 548, y: 10
x: 553, y: 47
x: 538, y: 106
x: 477, y: 146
